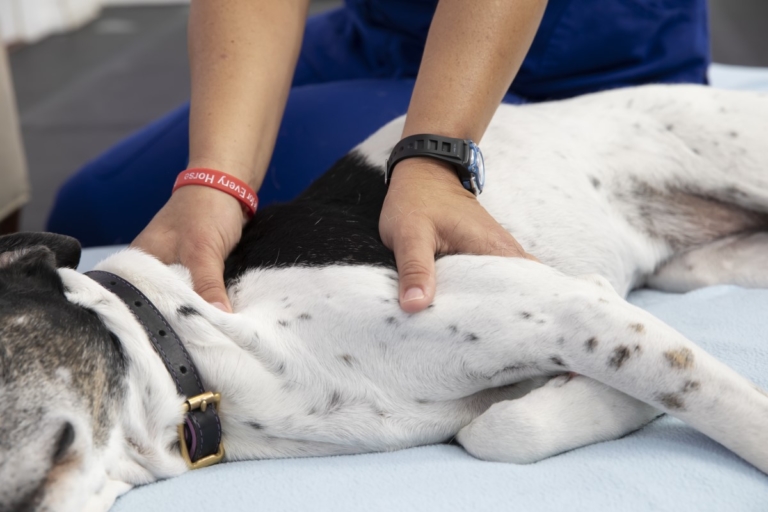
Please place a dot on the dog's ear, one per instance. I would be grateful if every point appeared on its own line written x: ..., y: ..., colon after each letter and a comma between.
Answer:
x: 57, y: 250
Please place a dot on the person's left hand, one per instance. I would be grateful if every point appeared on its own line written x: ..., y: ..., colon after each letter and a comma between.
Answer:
x: 426, y: 212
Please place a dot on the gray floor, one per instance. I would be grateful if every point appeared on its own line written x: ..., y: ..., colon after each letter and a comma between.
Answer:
x: 81, y: 92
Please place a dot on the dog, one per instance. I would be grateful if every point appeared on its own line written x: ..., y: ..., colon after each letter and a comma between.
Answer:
x: 518, y: 360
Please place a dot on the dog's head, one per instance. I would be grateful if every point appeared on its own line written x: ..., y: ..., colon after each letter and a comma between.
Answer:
x: 61, y: 376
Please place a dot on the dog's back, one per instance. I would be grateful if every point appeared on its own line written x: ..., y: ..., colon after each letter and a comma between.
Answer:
x: 613, y: 183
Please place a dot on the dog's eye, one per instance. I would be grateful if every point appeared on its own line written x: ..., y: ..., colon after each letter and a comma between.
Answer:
x: 66, y: 438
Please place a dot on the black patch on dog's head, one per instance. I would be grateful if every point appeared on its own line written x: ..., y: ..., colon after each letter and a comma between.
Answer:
x: 64, y: 250
x: 43, y: 334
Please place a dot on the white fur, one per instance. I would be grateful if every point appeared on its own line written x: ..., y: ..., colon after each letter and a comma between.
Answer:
x: 333, y: 340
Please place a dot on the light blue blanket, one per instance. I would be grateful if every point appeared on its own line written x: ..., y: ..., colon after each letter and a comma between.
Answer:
x: 665, y: 466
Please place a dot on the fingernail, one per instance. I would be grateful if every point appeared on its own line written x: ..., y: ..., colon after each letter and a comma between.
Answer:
x: 221, y: 306
x: 414, y: 293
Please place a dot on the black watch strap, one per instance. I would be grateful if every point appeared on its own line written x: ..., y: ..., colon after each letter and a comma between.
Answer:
x: 447, y: 149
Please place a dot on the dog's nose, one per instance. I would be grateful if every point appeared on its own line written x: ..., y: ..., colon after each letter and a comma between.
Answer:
x: 63, y: 442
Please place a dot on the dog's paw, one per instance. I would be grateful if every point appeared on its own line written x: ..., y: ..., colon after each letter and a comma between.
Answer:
x: 568, y: 412
x: 506, y: 432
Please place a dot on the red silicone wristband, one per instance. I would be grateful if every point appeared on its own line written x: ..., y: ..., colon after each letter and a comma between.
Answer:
x: 220, y: 181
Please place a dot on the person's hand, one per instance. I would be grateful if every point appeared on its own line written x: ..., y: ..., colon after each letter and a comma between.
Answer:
x: 198, y: 227
x: 426, y: 212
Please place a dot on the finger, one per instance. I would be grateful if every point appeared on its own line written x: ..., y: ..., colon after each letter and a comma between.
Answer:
x: 415, y: 257
x: 208, y: 280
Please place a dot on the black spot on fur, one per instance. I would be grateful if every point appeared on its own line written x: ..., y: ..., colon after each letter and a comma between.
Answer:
x: 282, y: 323
x: 672, y: 401
x: 591, y: 344
x: 525, y: 315
x: 670, y: 127
x: 471, y: 337
x: 186, y: 311
x: 255, y: 425
x: 619, y: 356
x: 348, y: 359
x: 305, y: 316
x: 423, y: 401
x: 391, y: 320
x: 334, y: 402
x: 556, y: 360
x: 691, y: 385
x: 595, y: 182
x: 733, y: 134
x: 453, y: 329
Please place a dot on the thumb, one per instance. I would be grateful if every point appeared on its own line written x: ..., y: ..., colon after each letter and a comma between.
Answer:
x: 208, y: 279
x: 415, y: 257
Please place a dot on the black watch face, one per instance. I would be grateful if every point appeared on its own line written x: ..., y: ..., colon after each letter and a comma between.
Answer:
x: 477, y: 165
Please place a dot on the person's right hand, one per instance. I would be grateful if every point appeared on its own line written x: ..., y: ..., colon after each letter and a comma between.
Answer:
x: 198, y: 227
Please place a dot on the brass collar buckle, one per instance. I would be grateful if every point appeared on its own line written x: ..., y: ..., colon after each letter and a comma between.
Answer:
x: 192, y: 404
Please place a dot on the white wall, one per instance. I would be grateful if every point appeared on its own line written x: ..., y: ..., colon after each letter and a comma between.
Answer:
x: 30, y: 20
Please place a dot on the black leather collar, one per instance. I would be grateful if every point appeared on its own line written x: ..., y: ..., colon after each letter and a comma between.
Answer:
x: 200, y: 434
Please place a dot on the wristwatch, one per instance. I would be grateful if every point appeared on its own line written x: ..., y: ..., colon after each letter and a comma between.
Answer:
x: 464, y: 155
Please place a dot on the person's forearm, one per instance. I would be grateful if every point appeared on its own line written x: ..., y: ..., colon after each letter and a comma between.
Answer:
x: 473, y: 52
x: 242, y: 58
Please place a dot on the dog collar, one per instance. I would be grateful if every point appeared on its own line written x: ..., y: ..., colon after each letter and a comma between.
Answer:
x: 200, y: 434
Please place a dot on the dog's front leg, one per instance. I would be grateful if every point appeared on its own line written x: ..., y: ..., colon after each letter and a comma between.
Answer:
x: 604, y: 337
x: 566, y: 413
x: 543, y: 322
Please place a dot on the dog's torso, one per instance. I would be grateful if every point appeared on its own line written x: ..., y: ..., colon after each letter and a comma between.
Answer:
x: 319, y: 357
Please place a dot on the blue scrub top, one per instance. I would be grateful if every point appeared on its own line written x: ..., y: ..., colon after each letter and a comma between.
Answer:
x: 581, y: 45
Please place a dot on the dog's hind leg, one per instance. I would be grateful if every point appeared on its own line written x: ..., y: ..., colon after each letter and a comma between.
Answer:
x: 566, y: 413
x: 739, y: 259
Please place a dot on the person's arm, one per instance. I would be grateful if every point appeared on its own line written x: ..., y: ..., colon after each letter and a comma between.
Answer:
x: 473, y: 51
x: 242, y: 57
